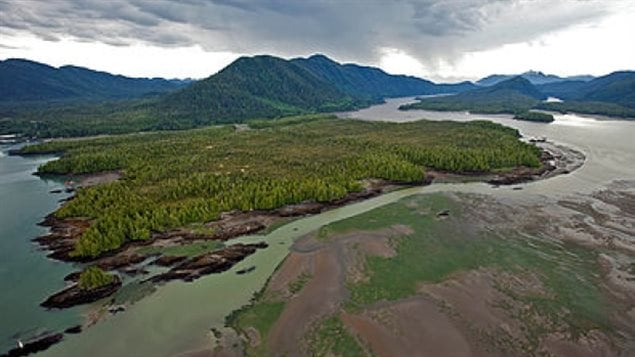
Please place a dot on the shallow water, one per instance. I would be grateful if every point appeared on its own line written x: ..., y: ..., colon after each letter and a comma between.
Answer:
x: 26, y: 276
x: 179, y: 315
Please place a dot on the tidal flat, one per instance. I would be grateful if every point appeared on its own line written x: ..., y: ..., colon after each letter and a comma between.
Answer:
x: 455, y: 274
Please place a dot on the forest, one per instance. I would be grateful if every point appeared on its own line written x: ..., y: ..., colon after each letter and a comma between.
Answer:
x: 173, y: 179
x: 598, y: 108
x: 535, y: 116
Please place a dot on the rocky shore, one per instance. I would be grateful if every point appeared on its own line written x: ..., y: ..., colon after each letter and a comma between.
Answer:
x: 74, y: 295
x: 35, y: 345
x: 64, y: 233
x: 214, y: 262
x: 555, y: 159
x: 129, y: 259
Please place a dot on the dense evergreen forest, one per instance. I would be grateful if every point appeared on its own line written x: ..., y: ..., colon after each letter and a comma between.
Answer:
x: 535, y: 116
x: 599, y: 108
x: 172, y: 179
x: 516, y: 95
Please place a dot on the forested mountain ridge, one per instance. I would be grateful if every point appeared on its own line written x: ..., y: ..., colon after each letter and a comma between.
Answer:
x: 510, y: 96
x: 617, y: 87
x: 612, y: 95
x: 250, y: 87
x: 373, y: 82
x: 267, y: 86
x: 28, y: 81
x: 259, y: 86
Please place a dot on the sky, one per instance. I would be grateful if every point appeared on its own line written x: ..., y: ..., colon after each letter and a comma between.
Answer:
x: 441, y: 40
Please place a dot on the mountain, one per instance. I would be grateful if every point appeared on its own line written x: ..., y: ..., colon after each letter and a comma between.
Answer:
x: 612, y: 95
x: 363, y: 81
x: 616, y: 88
x: 27, y: 81
x: 562, y: 90
x: 250, y: 87
x: 509, y: 96
x: 535, y: 77
x: 259, y: 86
x: 267, y: 86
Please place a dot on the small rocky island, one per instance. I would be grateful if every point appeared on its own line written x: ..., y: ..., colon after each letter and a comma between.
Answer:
x: 534, y: 116
x: 92, y: 284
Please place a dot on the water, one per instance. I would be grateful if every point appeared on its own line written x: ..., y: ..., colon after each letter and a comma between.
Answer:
x: 26, y: 277
x: 179, y: 315
x: 607, y: 144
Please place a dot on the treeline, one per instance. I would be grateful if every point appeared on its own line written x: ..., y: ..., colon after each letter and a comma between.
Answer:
x: 451, y: 104
x: 599, y: 108
x: 94, y: 277
x: 534, y: 116
x: 172, y: 179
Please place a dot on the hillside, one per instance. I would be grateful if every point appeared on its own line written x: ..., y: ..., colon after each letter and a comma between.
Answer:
x: 28, y: 81
x: 267, y: 86
x: 373, y: 82
x: 260, y: 86
x: 250, y: 87
x: 612, y: 95
x: 617, y: 88
x: 562, y: 90
x: 510, y: 96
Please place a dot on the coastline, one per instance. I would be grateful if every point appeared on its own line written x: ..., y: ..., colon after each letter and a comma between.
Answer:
x: 64, y: 233
x: 232, y: 224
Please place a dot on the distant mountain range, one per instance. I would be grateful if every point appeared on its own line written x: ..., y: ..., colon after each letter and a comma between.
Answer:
x: 613, y: 94
x: 23, y: 80
x: 535, y: 77
x: 40, y: 100
x: 250, y: 87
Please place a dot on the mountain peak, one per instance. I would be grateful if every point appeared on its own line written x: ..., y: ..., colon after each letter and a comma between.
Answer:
x: 531, y: 72
x: 320, y: 57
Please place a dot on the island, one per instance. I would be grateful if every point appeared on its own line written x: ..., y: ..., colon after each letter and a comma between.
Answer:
x: 92, y: 284
x: 180, y: 197
x: 534, y: 116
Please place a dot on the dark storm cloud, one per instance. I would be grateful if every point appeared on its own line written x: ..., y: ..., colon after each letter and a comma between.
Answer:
x: 430, y: 30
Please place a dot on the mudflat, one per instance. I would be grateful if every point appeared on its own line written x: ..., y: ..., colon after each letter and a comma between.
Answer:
x: 457, y: 275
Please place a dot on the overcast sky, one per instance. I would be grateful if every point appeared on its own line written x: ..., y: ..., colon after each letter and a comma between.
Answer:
x: 443, y: 40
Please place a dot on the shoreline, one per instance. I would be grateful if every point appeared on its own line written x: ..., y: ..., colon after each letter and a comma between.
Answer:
x: 231, y: 225
x: 599, y: 117
x: 64, y: 233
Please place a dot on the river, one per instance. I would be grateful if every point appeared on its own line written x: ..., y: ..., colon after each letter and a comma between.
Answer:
x: 178, y: 316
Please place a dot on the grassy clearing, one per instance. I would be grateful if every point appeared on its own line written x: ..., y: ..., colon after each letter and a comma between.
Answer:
x: 261, y: 316
x: 573, y: 298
